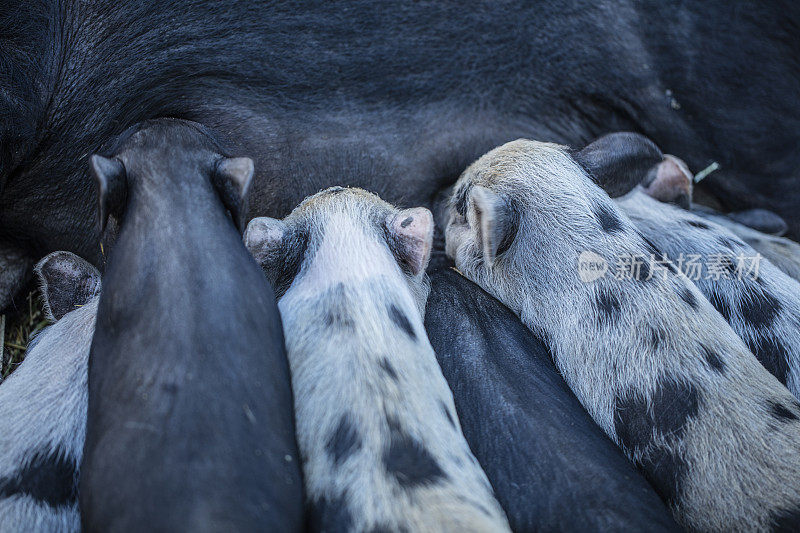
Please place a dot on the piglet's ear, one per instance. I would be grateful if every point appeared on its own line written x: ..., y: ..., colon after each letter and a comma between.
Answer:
x: 618, y: 162
x: 411, y: 237
x: 112, y: 188
x: 264, y: 239
x: 232, y: 179
x: 496, y: 221
x: 67, y: 282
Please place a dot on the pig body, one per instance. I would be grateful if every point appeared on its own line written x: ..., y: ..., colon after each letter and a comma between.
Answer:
x: 381, y: 444
x: 391, y: 97
x: 759, y: 301
x: 651, y: 360
x: 43, y: 405
x: 190, y: 424
x: 552, y: 467
x: 782, y: 252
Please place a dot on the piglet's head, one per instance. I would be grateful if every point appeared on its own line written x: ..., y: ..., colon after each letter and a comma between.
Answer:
x: 66, y: 282
x: 517, y: 191
x: 343, y: 236
x: 164, y: 152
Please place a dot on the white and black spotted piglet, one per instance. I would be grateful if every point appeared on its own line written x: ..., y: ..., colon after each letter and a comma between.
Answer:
x: 43, y: 405
x: 782, y: 252
x: 381, y: 445
x: 671, y: 182
x: 652, y: 361
x: 759, y: 301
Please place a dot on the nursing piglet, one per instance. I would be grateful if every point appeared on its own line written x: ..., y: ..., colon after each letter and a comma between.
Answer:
x: 381, y: 444
x: 651, y: 360
x: 43, y: 404
x: 551, y: 466
x: 190, y: 424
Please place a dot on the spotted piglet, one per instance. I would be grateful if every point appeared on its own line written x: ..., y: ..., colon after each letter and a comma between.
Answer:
x: 671, y: 182
x: 43, y: 404
x: 382, y: 448
x: 782, y: 252
x: 651, y: 360
x: 759, y: 301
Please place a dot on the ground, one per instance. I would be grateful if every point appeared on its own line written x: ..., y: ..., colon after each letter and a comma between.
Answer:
x: 19, y: 329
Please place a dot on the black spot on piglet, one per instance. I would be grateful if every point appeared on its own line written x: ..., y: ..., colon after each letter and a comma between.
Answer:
x: 49, y: 477
x: 608, y: 306
x: 721, y: 305
x: 759, y: 308
x: 698, y: 224
x: 688, y: 297
x: 401, y: 321
x: 408, y: 461
x: 343, y: 442
x: 329, y: 514
x: 608, y: 220
x: 388, y: 368
x: 787, y: 521
x: 406, y: 222
x: 671, y: 406
x: 781, y: 412
x: 713, y: 359
x: 665, y: 470
x: 772, y: 355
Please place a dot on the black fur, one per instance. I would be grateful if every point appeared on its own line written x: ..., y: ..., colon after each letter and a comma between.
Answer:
x: 401, y: 321
x: 49, y: 477
x: 642, y: 270
x: 551, y: 467
x: 607, y: 219
x: 188, y: 378
x: 391, y: 97
x: 655, y: 337
x: 665, y: 470
x: 772, y: 354
x: 337, y: 314
x: 671, y: 405
x: 608, y: 306
x: 759, y: 308
x: 781, y: 412
x: 688, y: 297
x: 409, y: 462
x: 721, y: 305
x: 330, y: 515
x: 698, y: 224
x: 387, y: 367
x: 281, y: 268
x: 713, y: 359
x: 787, y: 521
x: 343, y: 442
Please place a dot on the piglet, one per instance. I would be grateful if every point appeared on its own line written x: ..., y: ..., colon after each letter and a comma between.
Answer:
x: 782, y: 252
x: 648, y: 356
x: 758, y: 300
x: 552, y: 467
x: 43, y: 404
x: 381, y: 443
x: 671, y: 182
x: 190, y: 424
